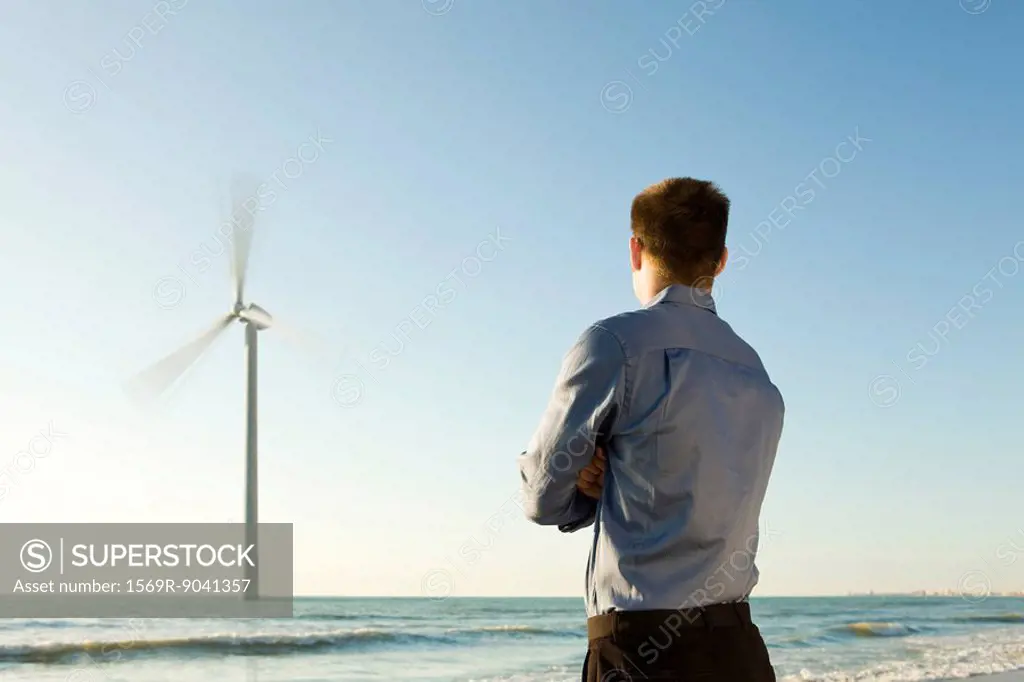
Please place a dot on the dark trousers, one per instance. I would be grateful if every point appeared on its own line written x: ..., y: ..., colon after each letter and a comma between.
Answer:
x: 718, y: 643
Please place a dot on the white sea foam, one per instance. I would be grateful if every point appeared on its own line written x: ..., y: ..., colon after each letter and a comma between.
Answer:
x: 932, y: 658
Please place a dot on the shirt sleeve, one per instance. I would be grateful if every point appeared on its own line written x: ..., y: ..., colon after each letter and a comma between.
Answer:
x: 588, y: 398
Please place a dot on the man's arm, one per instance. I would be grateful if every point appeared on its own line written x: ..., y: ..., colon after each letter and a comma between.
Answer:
x: 589, y: 396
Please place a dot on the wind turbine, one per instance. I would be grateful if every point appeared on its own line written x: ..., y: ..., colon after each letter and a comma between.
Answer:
x: 158, y: 378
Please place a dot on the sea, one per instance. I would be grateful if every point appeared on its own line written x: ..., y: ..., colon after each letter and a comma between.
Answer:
x: 504, y: 640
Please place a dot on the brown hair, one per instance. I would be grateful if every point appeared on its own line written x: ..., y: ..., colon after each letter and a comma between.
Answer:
x: 681, y: 224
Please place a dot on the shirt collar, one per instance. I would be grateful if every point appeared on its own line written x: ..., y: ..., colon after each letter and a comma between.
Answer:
x: 678, y: 293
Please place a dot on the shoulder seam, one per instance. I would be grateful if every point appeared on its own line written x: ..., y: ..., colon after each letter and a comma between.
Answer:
x: 627, y: 388
x: 618, y: 340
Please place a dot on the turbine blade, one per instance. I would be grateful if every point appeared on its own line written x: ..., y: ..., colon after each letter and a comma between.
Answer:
x: 244, y: 205
x: 312, y: 346
x: 302, y: 339
x: 155, y: 380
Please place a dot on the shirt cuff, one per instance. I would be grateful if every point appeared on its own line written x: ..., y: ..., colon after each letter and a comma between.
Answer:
x: 582, y: 513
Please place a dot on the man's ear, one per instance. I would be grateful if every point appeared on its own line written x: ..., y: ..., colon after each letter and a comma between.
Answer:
x: 722, y: 261
x: 636, y: 251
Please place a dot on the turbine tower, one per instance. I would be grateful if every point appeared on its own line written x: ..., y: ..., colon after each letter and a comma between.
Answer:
x: 158, y: 378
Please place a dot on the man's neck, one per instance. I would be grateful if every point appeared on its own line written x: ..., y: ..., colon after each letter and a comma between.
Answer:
x: 652, y: 288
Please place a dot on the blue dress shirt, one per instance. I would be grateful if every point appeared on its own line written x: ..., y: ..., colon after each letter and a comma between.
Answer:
x: 691, y: 423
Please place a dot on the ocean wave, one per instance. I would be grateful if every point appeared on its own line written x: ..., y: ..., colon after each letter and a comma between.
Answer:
x: 265, y: 644
x: 994, y: 618
x: 941, y: 658
x: 516, y: 630
x: 839, y: 634
x: 879, y: 629
x: 360, y: 616
x: 805, y: 641
x: 24, y: 623
x: 220, y: 644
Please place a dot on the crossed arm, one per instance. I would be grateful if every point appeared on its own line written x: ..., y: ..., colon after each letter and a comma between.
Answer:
x: 560, y: 472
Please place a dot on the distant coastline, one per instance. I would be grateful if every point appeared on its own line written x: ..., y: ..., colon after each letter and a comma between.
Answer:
x: 940, y: 593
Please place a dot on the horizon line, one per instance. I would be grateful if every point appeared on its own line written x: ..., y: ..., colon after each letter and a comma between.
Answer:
x: 916, y: 593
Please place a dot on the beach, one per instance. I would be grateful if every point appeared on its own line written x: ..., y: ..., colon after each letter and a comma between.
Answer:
x: 821, y: 639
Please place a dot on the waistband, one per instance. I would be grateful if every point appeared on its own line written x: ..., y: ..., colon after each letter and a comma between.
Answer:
x: 711, y: 616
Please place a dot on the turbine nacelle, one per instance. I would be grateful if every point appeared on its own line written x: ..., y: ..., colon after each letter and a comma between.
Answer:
x: 253, y: 314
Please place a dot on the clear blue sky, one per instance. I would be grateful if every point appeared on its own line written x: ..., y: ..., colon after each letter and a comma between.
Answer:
x: 119, y: 130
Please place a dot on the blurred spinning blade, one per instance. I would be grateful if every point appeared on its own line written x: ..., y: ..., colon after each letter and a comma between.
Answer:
x: 244, y: 205
x: 151, y: 383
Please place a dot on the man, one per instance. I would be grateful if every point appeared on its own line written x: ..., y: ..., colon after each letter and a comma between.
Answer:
x: 661, y: 432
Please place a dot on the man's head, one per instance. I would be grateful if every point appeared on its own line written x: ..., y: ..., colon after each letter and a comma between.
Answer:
x: 678, y: 237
